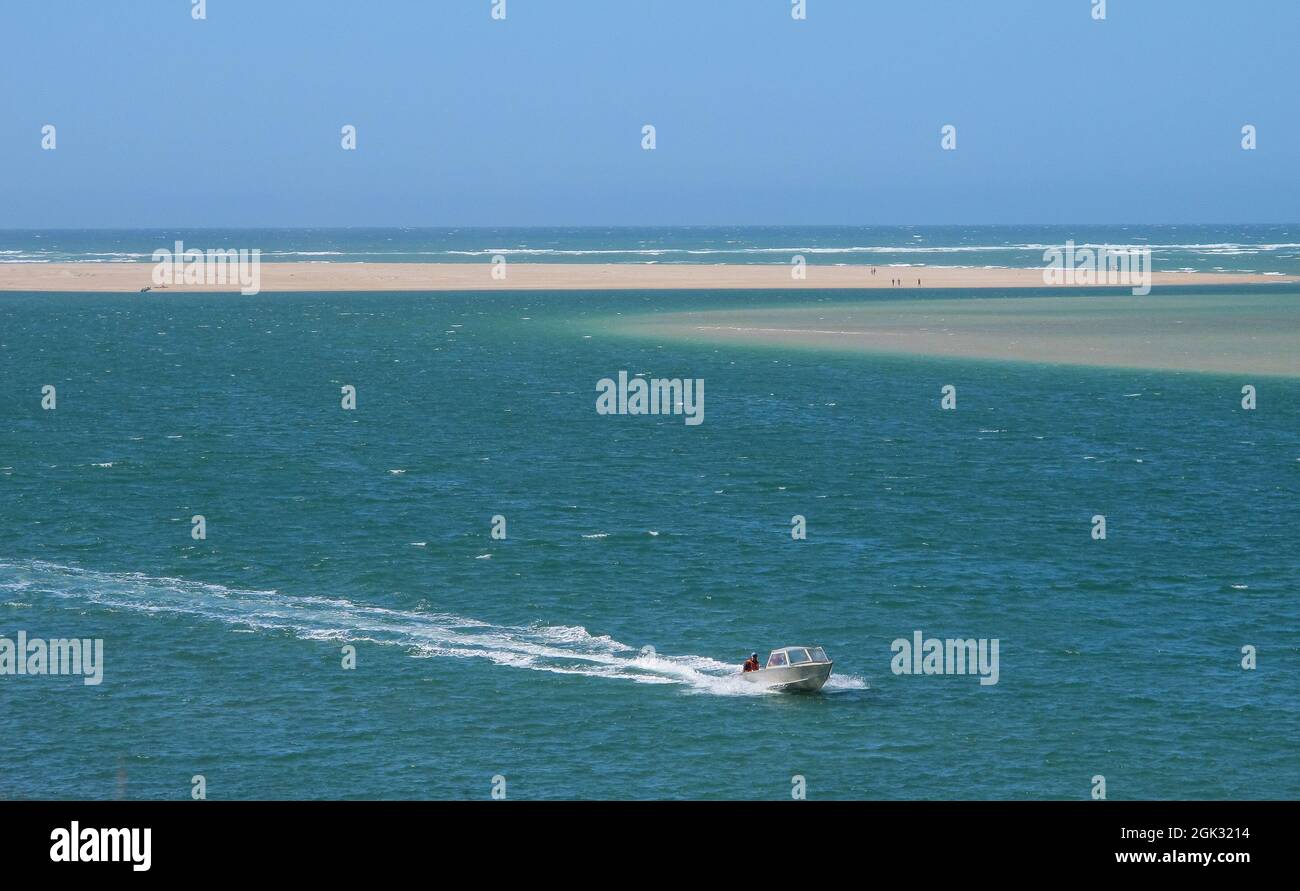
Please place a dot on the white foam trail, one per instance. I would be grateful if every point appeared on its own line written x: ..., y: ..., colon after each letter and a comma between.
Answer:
x: 560, y: 649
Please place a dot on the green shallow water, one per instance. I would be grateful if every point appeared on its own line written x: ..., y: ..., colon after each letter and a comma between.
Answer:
x: 524, y: 657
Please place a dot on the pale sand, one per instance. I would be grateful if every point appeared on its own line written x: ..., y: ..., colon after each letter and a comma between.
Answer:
x: 1255, y: 333
x: 558, y: 277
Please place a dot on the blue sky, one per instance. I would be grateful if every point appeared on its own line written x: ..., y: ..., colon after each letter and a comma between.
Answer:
x: 536, y: 120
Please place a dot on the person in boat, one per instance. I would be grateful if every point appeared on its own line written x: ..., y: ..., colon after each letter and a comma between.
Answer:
x: 751, y: 664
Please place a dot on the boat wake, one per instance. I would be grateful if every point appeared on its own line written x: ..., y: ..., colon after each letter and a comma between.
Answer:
x: 560, y: 649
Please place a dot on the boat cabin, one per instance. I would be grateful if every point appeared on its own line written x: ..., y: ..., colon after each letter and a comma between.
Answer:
x: 796, y: 656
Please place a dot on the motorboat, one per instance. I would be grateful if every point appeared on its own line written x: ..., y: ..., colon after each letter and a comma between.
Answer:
x: 792, y: 669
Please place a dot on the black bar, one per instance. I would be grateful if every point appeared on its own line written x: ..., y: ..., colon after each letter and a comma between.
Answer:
x: 333, y: 840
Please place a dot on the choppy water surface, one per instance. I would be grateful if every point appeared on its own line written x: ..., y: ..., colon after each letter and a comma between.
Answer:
x: 528, y: 657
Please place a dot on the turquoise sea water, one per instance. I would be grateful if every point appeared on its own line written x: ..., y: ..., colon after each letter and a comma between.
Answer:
x: 524, y: 657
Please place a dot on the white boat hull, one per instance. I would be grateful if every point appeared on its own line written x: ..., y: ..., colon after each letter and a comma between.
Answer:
x: 809, y: 677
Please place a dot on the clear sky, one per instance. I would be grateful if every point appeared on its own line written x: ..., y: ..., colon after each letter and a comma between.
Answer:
x: 536, y: 120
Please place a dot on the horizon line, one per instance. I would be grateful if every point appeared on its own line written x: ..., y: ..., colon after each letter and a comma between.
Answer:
x: 629, y: 226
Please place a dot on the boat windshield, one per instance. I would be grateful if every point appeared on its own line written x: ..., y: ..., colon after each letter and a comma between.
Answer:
x: 798, y: 655
x: 818, y: 654
x: 776, y: 660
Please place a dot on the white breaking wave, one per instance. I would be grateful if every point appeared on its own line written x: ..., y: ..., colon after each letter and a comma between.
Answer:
x: 1217, y: 248
x: 559, y: 649
x: 1209, y: 249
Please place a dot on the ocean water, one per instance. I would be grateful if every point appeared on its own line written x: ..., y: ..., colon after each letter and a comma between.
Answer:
x: 1206, y: 248
x: 594, y: 652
